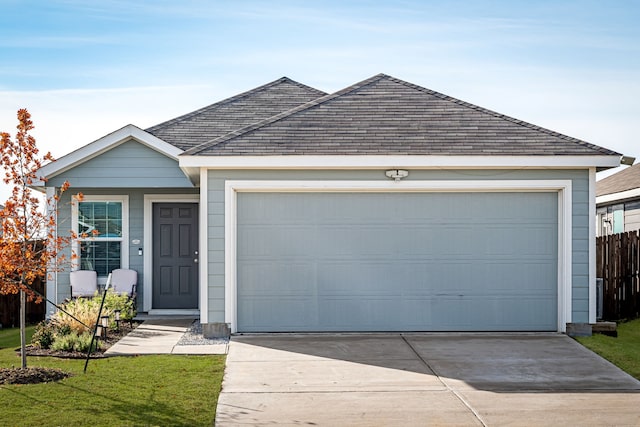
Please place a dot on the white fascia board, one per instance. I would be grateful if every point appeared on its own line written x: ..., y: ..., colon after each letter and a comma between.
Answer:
x: 397, y: 161
x: 614, y: 197
x: 104, y: 144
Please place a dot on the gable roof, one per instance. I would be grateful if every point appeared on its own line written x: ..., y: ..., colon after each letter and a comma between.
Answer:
x: 625, y: 180
x: 387, y: 116
x: 104, y: 144
x: 234, y: 113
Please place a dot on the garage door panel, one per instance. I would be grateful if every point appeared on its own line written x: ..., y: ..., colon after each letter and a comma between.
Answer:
x: 286, y: 240
x: 394, y: 261
x: 293, y: 279
x: 532, y: 277
x: 281, y: 313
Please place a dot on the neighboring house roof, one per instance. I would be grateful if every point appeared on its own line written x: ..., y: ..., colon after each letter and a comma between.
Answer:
x: 387, y: 116
x: 234, y: 113
x: 622, y: 185
x: 624, y: 180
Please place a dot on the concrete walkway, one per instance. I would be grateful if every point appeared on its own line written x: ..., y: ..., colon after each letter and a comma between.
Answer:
x: 161, y: 336
x: 422, y: 379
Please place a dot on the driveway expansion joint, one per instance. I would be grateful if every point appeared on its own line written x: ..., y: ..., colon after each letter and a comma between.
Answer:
x: 455, y: 393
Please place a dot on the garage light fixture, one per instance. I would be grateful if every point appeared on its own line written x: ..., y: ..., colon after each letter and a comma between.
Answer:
x: 397, y: 174
x: 627, y: 160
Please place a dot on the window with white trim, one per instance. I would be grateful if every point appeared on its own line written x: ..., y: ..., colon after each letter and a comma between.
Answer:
x: 101, y: 223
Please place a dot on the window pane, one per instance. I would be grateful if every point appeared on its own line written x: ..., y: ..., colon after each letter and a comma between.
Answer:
x: 114, y: 209
x: 103, y: 257
x: 105, y: 217
x: 618, y: 221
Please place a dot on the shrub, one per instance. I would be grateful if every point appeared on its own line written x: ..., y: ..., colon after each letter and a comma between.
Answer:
x: 74, y: 342
x: 83, y: 309
x: 114, y: 302
x: 64, y: 333
x: 43, y: 335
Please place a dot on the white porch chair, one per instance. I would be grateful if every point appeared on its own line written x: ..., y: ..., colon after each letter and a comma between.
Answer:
x: 84, y: 283
x: 124, y: 282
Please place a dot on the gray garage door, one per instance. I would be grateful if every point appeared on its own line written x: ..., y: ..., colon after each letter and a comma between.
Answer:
x: 397, y: 262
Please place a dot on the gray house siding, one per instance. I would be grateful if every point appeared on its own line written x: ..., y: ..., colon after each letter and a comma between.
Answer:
x: 580, y: 212
x: 130, y: 164
x: 136, y: 226
x: 130, y: 169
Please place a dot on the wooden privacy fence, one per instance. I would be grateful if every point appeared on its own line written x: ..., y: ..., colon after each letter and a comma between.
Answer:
x: 10, y: 307
x: 617, y: 263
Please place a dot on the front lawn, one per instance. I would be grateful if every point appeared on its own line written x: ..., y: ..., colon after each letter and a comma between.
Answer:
x: 116, y: 391
x: 11, y: 337
x: 623, y: 351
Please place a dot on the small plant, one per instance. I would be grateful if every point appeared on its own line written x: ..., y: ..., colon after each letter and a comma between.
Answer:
x: 84, y: 309
x: 74, y: 342
x: 115, y: 301
x: 65, y: 342
x: 43, y: 335
x: 64, y: 333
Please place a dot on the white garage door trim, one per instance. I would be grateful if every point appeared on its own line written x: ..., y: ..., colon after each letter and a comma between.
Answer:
x: 563, y: 187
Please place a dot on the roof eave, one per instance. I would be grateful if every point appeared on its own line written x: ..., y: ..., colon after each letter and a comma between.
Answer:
x: 620, y: 196
x: 193, y: 162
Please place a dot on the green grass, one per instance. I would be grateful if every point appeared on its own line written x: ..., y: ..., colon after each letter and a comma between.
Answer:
x: 165, y: 390
x: 10, y: 338
x: 623, y: 351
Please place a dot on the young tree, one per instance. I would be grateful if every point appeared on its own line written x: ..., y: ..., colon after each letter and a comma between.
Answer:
x: 29, y: 244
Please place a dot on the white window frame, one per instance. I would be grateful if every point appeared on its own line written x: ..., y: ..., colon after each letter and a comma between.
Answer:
x: 124, y: 239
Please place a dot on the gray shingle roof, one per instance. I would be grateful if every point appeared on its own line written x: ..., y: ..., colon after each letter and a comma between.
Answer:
x: 385, y: 115
x: 218, y: 119
x: 627, y: 179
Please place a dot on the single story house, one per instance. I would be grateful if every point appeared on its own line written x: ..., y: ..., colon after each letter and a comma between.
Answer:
x: 618, y: 202
x: 384, y: 206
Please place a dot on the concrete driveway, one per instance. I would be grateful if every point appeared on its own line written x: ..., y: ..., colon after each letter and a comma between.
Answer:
x: 422, y: 379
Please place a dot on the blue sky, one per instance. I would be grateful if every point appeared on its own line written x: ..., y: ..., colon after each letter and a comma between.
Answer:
x: 87, y: 68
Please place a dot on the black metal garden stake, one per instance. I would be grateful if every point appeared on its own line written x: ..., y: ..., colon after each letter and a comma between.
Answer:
x: 95, y: 327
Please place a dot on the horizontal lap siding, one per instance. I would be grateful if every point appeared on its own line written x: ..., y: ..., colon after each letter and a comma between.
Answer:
x: 130, y: 164
x: 632, y: 216
x: 136, y: 228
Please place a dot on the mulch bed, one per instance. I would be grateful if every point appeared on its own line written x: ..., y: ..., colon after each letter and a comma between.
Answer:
x: 35, y: 375
x: 31, y: 375
x: 112, y: 338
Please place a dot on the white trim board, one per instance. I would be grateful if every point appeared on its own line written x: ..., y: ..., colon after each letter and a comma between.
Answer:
x: 616, y: 197
x: 592, y: 245
x: 52, y: 268
x: 147, y: 243
x: 203, y: 241
x: 397, y: 161
x: 563, y: 187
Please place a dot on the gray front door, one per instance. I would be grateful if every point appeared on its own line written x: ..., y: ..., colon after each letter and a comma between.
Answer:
x: 175, y: 255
